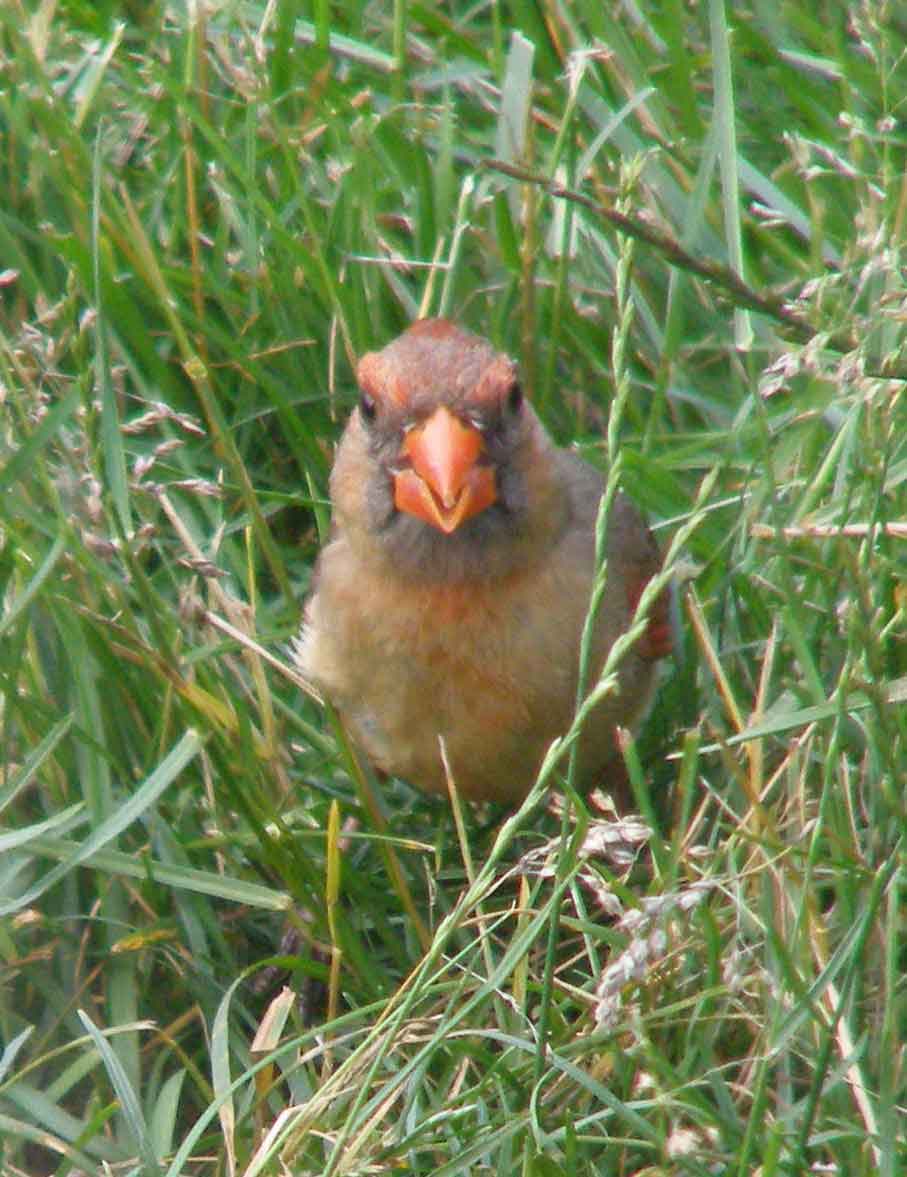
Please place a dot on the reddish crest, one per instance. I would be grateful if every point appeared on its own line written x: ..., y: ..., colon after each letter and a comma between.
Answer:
x: 436, y: 356
x: 432, y: 329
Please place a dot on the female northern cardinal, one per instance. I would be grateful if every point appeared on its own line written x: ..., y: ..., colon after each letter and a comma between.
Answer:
x: 451, y: 597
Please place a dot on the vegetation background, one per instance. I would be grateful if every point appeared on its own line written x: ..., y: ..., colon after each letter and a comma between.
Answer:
x: 687, y: 220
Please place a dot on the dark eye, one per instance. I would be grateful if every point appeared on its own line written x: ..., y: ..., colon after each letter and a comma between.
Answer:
x: 515, y: 397
x: 367, y: 407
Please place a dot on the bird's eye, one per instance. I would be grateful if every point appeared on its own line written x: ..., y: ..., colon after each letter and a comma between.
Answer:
x: 515, y: 397
x: 367, y: 407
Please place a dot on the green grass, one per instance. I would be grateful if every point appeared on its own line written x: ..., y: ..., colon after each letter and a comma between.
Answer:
x: 204, y: 220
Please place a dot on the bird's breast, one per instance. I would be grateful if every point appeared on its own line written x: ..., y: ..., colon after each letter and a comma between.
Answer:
x: 488, y: 667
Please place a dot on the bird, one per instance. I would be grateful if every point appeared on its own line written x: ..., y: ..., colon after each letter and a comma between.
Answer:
x: 448, y: 602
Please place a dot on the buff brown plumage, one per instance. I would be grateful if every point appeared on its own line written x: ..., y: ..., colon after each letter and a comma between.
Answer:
x: 450, y: 598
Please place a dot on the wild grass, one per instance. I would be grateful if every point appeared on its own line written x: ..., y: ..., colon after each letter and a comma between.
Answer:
x: 206, y: 213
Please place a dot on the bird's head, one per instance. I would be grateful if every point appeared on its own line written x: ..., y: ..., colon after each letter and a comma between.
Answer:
x: 444, y: 464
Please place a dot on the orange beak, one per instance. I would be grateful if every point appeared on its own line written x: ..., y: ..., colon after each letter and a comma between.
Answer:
x: 445, y: 484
